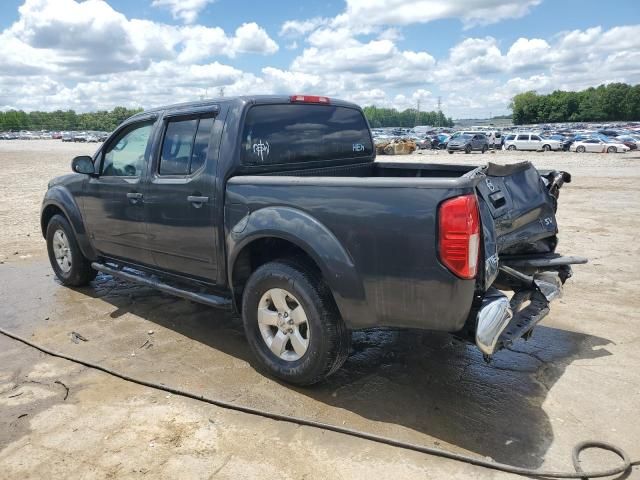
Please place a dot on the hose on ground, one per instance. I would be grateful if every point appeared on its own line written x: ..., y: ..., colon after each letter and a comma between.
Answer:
x: 624, y: 467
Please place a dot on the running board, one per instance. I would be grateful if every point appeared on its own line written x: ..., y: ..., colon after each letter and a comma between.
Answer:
x: 205, y: 298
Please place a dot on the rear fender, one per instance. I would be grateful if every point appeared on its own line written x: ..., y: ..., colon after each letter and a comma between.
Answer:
x: 312, y: 237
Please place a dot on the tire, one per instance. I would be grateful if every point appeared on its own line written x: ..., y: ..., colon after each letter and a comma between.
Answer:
x: 442, y: 146
x: 511, y: 147
x: 484, y: 148
x: 327, y: 337
x: 581, y: 149
x: 71, y: 267
x: 467, y: 149
x: 450, y: 151
x: 546, y: 148
x: 612, y: 150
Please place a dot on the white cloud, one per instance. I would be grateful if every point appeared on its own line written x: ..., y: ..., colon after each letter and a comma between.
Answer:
x: 185, y: 10
x: 405, y: 12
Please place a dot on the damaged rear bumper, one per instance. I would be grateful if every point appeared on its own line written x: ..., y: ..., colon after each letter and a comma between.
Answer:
x: 500, y: 321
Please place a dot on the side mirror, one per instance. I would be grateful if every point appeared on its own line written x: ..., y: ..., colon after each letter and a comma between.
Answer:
x: 83, y: 164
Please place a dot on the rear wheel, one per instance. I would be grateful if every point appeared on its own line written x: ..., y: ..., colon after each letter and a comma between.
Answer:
x: 612, y: 150
x: 484, y: 148
x: 467, y: 149
x: 581, y: 149
x: 68, y: 263
x: 511, y: 147
x: 450, y: 151
x: 292, y: 323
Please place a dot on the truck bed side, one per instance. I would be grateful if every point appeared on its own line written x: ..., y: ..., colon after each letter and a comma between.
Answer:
x: 388, y: 283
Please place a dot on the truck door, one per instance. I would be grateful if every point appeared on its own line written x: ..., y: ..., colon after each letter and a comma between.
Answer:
x: 113, y: 201
x: 180, y: 198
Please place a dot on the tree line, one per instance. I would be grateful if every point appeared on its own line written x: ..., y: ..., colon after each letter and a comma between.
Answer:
x: 390, y: 117
x: 612, y: 102
x: 14, y: 120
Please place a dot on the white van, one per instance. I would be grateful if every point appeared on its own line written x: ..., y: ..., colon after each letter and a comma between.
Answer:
x: 530, y: 141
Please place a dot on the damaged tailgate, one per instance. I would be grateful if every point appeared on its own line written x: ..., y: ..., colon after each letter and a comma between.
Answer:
x: 518, y: 207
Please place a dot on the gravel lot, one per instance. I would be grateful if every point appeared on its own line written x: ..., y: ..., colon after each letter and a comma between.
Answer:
x: 576, y: 379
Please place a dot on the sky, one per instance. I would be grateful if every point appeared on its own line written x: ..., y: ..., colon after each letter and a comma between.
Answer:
x: 473, y: 55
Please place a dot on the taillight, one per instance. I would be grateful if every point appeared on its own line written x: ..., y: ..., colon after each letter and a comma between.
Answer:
x: 309, y: 99
x: 459, y: 235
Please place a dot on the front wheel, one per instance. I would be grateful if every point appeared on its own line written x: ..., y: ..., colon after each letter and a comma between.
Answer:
x: 581, y: 149
x: 467, y: 149
x: 292, y: 323
x: 511, y: 147
x: 450, y: 151
x: 546, y: 148
x: 612, y: 150
x: 68, y: 263
x: 484, y: 148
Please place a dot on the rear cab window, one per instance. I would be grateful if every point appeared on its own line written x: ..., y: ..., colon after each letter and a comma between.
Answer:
x: 184, y: 146
x: 304, y: 134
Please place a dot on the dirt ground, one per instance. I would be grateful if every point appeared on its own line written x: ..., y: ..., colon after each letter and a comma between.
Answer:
x: 577, y: 378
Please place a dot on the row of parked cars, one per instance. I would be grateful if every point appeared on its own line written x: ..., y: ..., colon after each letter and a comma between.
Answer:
x: 64, y: 136
x: 580, y: 139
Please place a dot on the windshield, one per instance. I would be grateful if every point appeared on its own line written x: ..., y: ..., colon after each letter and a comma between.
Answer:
x: 303, y: 133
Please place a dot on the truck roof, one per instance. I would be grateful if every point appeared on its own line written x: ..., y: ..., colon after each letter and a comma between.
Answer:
x: 243, y: 99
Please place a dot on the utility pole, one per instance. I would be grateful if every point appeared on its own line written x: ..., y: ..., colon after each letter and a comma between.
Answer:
x: 439, y: 109
x: 417, y: 114
x: 221, y: 92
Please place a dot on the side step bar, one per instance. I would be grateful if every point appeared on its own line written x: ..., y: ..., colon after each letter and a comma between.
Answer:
x: 205, y: 298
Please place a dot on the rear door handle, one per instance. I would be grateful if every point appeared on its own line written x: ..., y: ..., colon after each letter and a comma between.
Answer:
x: 197, y: 201
x: 134, y: 197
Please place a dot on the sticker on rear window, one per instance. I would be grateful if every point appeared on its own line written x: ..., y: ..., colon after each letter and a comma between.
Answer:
x: 261, y: 149
x: 358, y: 147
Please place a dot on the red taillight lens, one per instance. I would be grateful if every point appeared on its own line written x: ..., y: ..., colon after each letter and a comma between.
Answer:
x: 309, y: 99
x: 459, y: 235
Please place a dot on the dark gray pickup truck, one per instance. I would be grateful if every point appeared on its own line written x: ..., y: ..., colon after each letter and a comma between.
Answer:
x: 275, y: 207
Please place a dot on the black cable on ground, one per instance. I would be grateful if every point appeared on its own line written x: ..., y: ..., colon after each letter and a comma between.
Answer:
x: 625, y: 466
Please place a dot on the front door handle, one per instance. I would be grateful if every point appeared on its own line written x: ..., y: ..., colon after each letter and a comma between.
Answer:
x: 134, y: 197
x: 197, y: 201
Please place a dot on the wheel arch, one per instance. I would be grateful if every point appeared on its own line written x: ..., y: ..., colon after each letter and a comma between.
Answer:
x: 278, y: 232
x: 59, y: 201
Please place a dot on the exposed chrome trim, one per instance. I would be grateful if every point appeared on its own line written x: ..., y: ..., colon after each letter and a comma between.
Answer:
x: 493, y: 317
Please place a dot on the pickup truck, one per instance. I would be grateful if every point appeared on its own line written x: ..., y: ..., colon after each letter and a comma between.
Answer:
x: 274, y: 207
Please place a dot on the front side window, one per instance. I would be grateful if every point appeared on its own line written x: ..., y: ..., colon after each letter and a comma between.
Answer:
x: 303, y: 133
x: 127, y: 154
x: 535, y: 137
x: 185, y: 145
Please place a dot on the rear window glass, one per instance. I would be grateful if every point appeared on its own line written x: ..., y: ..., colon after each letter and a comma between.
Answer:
x: 280, y: 134
x: 184, y: 148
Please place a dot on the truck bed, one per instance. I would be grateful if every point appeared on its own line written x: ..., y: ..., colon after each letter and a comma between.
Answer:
x: 384, y: 215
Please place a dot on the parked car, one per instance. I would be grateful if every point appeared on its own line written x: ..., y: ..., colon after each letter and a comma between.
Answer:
x: 235, y: 221
x: 467, y: 143
x: 627, y: 140
x: 67, y: 137
x: 598, y: 146
x: 422, y: 142
x: 440, y: 141
x: 531, y: 141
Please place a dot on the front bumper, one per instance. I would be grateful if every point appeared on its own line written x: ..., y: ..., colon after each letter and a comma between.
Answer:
x: 456, y: 147
x: 500, y: 321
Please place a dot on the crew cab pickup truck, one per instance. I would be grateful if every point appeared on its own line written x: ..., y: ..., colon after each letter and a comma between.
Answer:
x: 274, y: 206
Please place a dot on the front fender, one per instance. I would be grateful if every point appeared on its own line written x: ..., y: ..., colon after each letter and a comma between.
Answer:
x: 317, y: 241
x: 61, y: 199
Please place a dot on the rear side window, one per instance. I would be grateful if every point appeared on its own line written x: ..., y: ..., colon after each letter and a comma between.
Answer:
x: 523, y: 137
x: 185, y: 144
x: 295, y: 133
